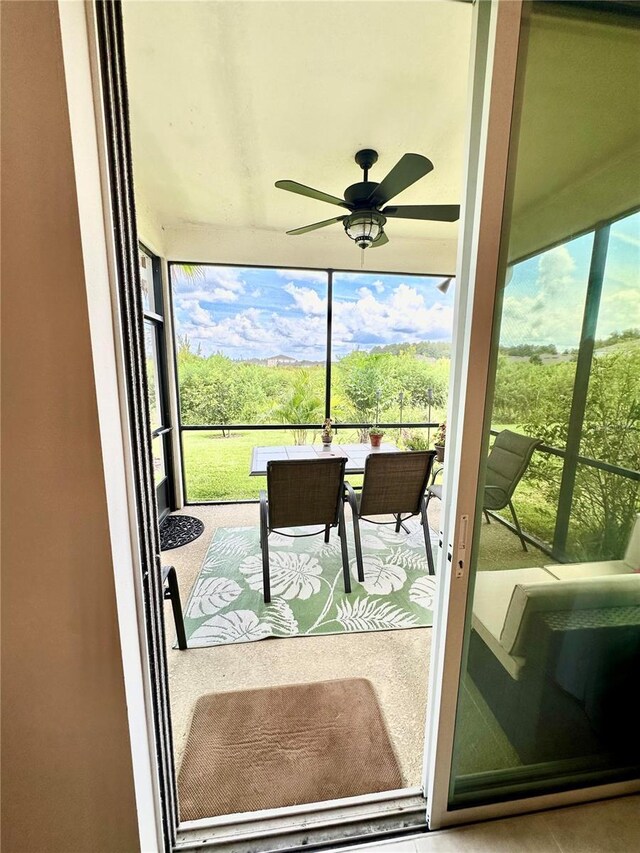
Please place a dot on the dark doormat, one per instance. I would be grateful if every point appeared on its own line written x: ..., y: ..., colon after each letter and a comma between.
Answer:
x: 281, y: 746
x: 177, y: 530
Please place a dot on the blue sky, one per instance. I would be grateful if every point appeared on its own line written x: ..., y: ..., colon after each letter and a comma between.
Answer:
x: 255, y: 313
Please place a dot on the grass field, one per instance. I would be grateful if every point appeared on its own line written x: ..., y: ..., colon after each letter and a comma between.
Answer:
x: 217, y: 468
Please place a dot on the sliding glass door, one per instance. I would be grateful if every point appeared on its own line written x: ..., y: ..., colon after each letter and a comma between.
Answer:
x: 540, y: 600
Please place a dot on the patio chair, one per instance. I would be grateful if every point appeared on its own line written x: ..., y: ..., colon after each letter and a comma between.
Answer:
x: 171, y: 593
x: 508, y: 460
x: 303, y: 493
x: 394, y: 484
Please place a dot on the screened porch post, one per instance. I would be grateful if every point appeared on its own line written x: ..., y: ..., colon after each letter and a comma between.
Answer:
x: 580, y: 389
x: 327, y: 386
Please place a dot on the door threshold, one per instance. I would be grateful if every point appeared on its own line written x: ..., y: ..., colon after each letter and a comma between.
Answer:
x: 312, y: 825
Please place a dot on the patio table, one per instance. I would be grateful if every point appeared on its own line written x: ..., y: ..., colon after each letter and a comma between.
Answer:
x: 355, y: 454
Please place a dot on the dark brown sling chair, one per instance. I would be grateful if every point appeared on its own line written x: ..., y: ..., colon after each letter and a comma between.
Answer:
x: 303, y: 493
x: 394, y: 484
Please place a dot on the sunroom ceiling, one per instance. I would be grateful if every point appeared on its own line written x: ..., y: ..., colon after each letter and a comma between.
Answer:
x: 228, y: 97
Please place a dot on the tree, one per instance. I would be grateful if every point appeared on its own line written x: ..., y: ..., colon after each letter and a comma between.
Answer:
x: 367, y: 381
x: 416, y: 376
x: 211, y: 391
x: 604, y: 505
x: 302, y: 405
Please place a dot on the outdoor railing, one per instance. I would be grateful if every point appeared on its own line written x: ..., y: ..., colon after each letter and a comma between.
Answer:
x: 337, y: 427
x: 557, y: 548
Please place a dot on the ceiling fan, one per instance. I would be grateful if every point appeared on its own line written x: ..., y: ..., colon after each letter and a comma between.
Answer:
x: 365, y: 222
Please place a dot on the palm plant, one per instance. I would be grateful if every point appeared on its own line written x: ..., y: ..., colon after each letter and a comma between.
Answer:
x: 302, y: 406
x: 192, y: 272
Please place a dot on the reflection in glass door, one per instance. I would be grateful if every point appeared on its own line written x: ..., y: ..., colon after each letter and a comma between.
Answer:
x: 552, y: 633
x: 156, y: 365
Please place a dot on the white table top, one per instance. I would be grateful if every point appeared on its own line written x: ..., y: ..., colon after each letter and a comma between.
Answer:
x: 355, y: 454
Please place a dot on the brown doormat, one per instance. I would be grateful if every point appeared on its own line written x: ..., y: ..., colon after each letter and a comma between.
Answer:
x: 280, y: 746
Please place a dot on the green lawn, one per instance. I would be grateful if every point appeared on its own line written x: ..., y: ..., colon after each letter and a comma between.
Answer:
x: 217, y: 468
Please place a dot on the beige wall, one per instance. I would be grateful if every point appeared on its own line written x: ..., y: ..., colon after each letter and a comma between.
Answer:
x: 66, y: 765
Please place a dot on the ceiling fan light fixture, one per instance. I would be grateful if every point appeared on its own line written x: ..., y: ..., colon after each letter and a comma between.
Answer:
x: 364, y: 227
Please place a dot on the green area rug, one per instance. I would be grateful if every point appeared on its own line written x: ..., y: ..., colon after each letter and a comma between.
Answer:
x: 226, y: 605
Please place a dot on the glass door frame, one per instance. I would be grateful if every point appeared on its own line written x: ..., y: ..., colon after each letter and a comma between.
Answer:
x: 481, y: 265
x: 165, y: 488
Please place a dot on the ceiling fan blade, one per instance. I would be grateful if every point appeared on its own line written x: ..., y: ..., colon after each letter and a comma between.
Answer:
x: 409, y: 169
x: 382, y: 240
x: 295, y: 187
x: 437, y: 212
x: 306, y: 228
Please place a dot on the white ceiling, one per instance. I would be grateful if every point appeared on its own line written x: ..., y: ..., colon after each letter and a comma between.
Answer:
x: 228, y: 97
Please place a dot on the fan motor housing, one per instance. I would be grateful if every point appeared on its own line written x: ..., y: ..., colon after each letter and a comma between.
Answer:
x: 358, y: 194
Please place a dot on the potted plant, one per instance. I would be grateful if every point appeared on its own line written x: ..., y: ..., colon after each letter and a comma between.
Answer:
x: 375, y: 436
x: 327, y: 433
x: 439, y: 441
x: 416, y: 441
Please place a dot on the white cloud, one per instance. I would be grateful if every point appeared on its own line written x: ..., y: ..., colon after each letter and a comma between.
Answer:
x: 378, y: 286
x: 199, y: 315
x: 400, y: 315
x: 306, y: 299
x: 314, y: 276
x: 626, y: 238
x: 219, y: 294
x: 403, y: 317
x: 619, y: 310
x: 215, y: 283
x: 250, y: 334
x: 553, y: 312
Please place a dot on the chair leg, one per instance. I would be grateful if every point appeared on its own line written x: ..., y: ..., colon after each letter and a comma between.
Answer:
x: 342, y: 533
x: 486, y: 515
x: 266, y: 582
x: 518, y: 528
x: 264, y: 546
x: 358, y: 544
x: 427, y: 536
x: 174, y: 595
x: 353, y: 503
x: 327, y: 533
x: 398, y: 522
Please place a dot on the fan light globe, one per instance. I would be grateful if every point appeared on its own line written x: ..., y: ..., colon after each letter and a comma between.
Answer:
x: 364, y: 227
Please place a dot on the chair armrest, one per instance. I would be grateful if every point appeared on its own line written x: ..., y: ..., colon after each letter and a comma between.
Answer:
x: 437, y: 469
x: 350, y: 495
x: 264, y: 510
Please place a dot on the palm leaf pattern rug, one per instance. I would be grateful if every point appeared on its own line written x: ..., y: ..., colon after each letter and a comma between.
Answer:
x: 307, y: 593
